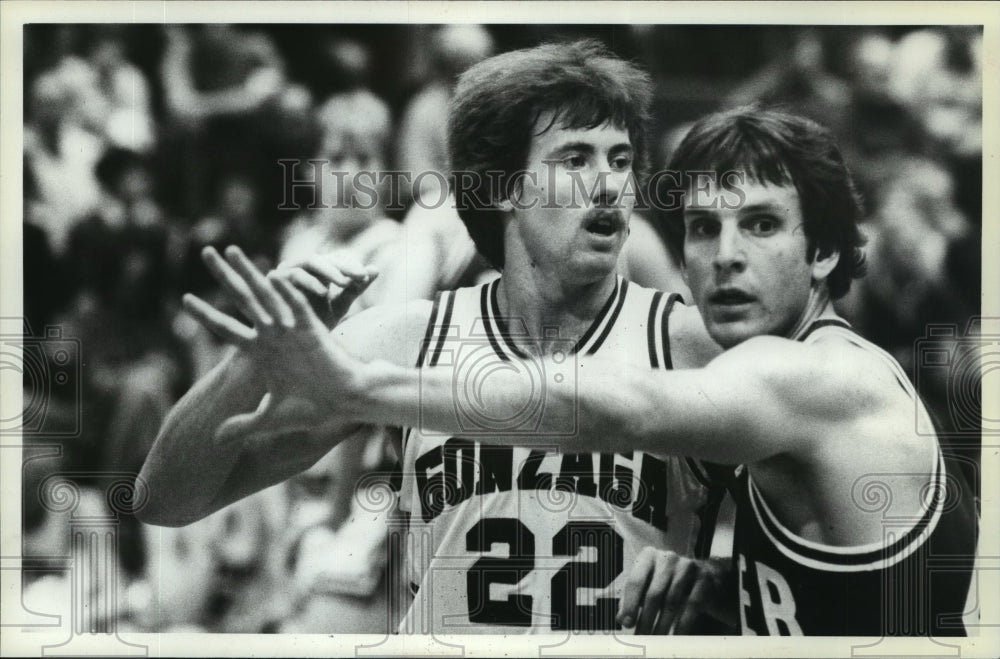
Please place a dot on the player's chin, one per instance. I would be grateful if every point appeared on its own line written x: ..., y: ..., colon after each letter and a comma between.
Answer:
x: 591, y: 266
x: 728, y: 331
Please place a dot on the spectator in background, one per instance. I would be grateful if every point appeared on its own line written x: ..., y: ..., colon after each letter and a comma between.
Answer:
x: 422, y: 132
x: 799, y: 78
x: 324, y: 516
x: 216, y: 81
x: 127, y: 118
x: 937, y: 75
x: 117, y: 265
x: 60, y: 152
x: 348, y: 215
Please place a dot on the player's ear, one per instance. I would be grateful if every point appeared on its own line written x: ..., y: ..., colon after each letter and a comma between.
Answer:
x: 824, y: 261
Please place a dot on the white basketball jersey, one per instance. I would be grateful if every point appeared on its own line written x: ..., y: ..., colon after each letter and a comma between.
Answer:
x: 509, y: 539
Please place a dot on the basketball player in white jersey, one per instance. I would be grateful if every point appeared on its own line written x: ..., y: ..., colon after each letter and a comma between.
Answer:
x: 504, y: 540
x: 821, y: 420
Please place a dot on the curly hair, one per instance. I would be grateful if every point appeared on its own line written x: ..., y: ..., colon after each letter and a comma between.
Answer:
x: 498, y: 102
x: 775, y: 147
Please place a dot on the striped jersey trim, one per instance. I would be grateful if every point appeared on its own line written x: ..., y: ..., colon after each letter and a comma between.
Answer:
x: 611, y: 321
x: 503, y: 331
x: 503, y: 326
x: 872, y: 556
x: 651, y: 329
x: 658, y: 329
x: 429, y: 333
x: 443, y: 327
x: 615, y: 301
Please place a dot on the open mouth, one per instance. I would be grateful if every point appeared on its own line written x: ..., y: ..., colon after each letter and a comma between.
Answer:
x: 604, y: 222
x: 730, y: 297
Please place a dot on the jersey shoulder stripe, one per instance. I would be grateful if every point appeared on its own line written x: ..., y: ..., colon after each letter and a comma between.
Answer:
x: 673, y: 299
x: 871, y: 556
x: 622, y: 284
x: 505, y: 328
x: 658, y: 329
x: 651, y: 329
x: 443, y: 327
x: 584, y: 345
x: 429, y: 332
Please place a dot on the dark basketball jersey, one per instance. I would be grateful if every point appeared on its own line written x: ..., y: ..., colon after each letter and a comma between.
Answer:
x: 913, y: 582
x: 530, y: 539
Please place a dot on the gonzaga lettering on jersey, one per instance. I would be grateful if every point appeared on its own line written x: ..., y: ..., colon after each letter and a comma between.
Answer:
x: 527, y: 539
x: 914, y: 582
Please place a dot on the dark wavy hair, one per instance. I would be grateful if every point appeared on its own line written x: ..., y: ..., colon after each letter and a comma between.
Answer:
x: 496, y: 106
x: 775, y: 147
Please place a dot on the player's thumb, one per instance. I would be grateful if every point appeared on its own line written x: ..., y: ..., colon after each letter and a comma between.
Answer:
x: 239, y: 427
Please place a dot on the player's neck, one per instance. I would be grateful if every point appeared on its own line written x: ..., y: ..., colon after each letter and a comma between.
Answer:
x: 819, y: 307
x: 545, y: 302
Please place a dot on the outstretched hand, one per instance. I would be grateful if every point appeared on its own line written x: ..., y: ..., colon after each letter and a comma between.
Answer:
x: 333, y: 281
x: 667, y: 593
x: 310, y: 378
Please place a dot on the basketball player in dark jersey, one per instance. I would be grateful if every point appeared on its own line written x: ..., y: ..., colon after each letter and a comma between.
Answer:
x: 570, y: 118
x: 849, y: 521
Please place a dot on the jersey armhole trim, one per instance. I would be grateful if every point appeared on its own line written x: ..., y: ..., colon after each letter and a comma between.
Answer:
x: 668, y: 361
x: 429, y: 332
x: 859, y: 558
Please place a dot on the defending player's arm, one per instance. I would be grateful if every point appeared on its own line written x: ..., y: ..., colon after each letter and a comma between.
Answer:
x: 763, y: 397
x: 205, y: 457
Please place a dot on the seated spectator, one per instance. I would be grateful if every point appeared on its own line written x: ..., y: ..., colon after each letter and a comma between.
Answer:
x: 60, y: 153
x: 127, y: 113
x: 349, y: 214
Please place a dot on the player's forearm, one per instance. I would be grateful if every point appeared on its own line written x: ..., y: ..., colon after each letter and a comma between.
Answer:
x: 575, y: 412
x: 187, y: 468
x: 591, y: 407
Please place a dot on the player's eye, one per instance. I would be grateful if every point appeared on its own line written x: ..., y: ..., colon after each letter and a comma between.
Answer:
x: 621, y: 163
x: 574, y: 161
x: 703, y: 228
x: 762, y: 225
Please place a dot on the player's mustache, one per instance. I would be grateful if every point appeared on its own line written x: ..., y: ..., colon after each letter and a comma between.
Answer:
x: 612, y: 216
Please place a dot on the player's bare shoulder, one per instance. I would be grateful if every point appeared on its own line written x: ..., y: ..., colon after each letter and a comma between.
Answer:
x: 843, y: 393
x: 392, y: 332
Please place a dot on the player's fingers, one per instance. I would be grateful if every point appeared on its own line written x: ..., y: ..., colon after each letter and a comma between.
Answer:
x: 225, y: 327
x: 684, y: 574
x: 305, y: 281
x: 259, y: 285
x: 687, y: 622
x: 327, y: 272
x: 296, y: 301
x: 693, y: 609
x: 657, y: 590
x: 238, y: 290
x: 341, y: 300
x: 635, y: 587
x: 338, y: 265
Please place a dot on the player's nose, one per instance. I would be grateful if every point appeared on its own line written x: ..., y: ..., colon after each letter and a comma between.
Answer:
x: 730, y: 254
x: 608, y: 186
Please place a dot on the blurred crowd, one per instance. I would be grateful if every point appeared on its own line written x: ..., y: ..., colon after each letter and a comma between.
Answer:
x: 143, y: 144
